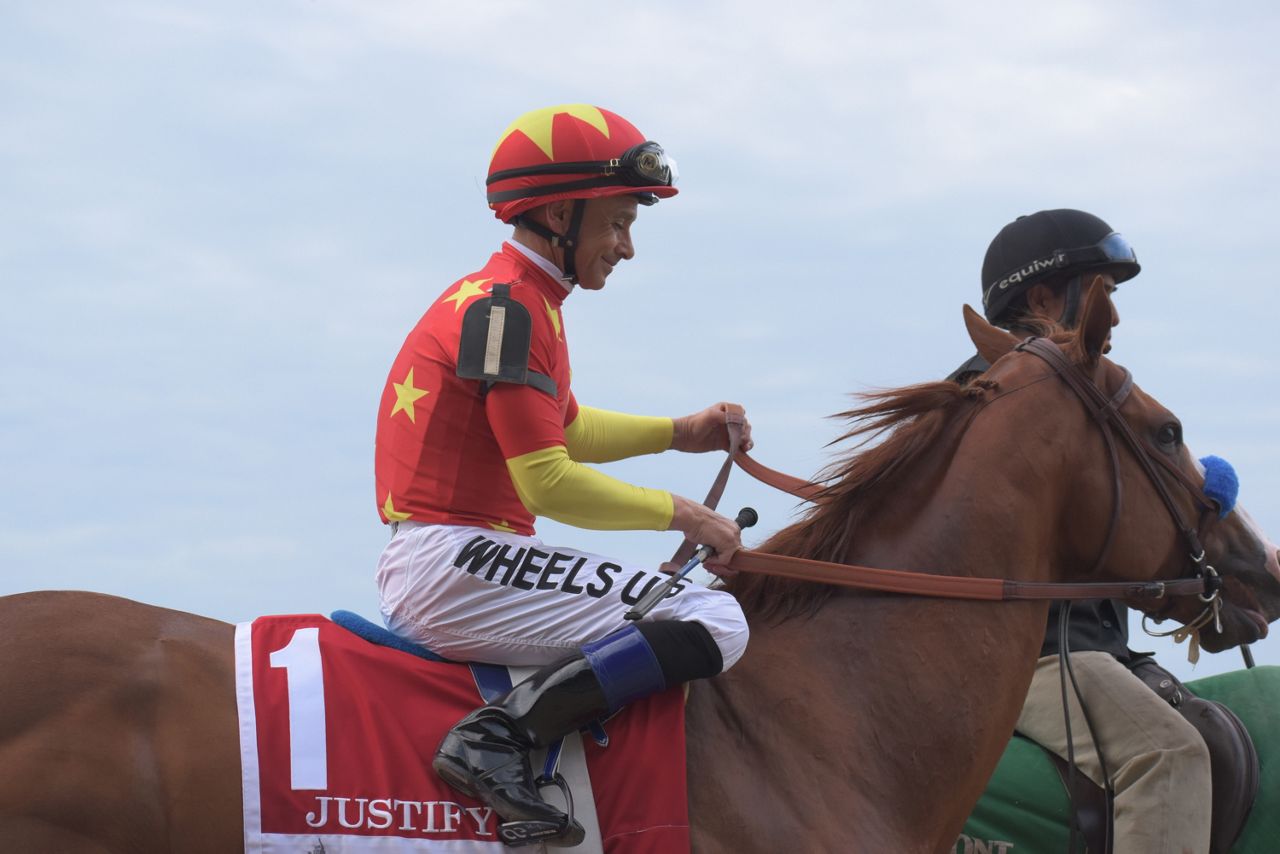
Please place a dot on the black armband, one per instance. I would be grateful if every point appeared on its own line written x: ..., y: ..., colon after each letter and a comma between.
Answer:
x: 495, y: 340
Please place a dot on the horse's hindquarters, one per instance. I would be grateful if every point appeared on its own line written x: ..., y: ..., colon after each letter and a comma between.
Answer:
x: 118, y: 727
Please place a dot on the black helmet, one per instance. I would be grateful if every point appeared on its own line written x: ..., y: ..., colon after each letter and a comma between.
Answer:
x: 1050, y: 246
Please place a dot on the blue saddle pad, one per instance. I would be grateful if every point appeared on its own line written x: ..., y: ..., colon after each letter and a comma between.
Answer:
x: 491, y: 679
x: 374, y: 633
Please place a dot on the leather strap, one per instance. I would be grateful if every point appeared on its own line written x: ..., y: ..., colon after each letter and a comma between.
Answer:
x: 1106, y: 412
x: 1104, y: 409
x: 733, y: 423
x: 784, y: 482
x: 951, y: 586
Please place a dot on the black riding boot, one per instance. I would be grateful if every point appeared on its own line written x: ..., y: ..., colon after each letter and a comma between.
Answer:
x: 486, y: 755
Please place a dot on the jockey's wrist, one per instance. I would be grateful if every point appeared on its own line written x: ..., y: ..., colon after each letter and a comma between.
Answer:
x: 706, y: 527
x: 682, y: 512
x: 681, y: 431
x: 690, y: 518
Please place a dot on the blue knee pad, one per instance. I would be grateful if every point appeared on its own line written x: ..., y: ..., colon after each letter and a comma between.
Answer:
x: 626, y: 667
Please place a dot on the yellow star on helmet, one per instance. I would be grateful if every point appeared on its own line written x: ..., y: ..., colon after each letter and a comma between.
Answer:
x: 502, y: 525
x: 466, y: 291
x: 392, y: 514
x: 537, y: 125
x: 406, y: 396
x: 554, y: 316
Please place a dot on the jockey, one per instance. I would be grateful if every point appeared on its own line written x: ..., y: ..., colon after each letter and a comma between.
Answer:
x: 479, y: 433
x: 1043, y: 264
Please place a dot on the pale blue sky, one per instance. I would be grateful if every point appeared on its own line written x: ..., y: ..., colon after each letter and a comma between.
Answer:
x: 218, y: 220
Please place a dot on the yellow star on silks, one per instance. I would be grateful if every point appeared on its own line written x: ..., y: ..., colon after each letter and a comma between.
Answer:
x: 537, y: 125
x: 406, y: 395
x: 502, y: 526
x: 465, y: 291
x: 391, y: 512
x: 554, y: 316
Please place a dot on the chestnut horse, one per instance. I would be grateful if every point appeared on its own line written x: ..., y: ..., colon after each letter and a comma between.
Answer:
x: 856, y: 722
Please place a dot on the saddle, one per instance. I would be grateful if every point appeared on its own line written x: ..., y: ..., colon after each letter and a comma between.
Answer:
x: 491, y: 681
x: 1233, y: 761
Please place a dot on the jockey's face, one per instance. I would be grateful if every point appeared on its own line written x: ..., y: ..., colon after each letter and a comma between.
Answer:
x: 1052, y: 302
x: 604, y: 238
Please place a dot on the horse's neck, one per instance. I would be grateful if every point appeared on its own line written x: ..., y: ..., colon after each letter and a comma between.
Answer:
x: 881, y: 718
x: 865, y: 722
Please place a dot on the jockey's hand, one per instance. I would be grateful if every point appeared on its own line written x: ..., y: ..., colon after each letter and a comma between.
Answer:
x: 706, y: 527
x: 707, y: 431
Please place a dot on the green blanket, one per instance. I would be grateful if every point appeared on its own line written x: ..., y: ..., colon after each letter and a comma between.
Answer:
x: 1024, y: 809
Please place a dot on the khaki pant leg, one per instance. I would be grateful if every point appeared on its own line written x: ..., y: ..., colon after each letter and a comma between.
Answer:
x: 1158, y: 763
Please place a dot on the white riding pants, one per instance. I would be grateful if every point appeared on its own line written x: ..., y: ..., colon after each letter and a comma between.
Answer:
x: 475, y: 594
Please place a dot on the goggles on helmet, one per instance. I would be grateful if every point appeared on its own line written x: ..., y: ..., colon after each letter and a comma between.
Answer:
x: 643, y: 165
x: 1112, y: 249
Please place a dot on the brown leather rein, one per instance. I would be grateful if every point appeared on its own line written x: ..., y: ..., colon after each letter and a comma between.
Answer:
x: 1106, y: 412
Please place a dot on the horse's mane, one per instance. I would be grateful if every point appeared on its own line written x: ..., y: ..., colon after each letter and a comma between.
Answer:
x: 912, y: 421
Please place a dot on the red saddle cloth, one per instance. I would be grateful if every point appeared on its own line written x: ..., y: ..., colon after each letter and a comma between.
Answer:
x: 337, y: 735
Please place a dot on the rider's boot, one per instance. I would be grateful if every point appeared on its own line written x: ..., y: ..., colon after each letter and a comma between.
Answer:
x: 486, y: 754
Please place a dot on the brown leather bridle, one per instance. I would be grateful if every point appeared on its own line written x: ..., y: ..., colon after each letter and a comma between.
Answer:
x: 1105, y: 410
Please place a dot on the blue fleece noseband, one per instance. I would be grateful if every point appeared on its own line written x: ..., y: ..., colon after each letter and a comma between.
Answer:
x: 1220, y: 483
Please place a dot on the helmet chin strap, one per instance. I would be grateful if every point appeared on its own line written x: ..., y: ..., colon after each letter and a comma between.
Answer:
x: 1072, y: 310
x: 567, y: 241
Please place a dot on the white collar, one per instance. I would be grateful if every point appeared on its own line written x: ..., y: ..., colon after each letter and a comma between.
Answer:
x: 546, y: 266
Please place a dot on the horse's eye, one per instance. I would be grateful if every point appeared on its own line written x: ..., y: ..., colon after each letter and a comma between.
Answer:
x: 1170, y: 434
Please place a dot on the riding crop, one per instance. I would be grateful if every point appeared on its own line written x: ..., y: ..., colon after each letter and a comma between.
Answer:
x: 745, y: 519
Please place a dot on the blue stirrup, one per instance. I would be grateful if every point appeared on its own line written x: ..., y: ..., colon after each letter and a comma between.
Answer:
x: 1220, y: 483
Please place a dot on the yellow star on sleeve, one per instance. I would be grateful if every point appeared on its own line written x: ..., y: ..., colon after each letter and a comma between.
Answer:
x: 406, y: 396
x: 502, y: 525
x: 465, y: 291
x: 554, y: 316
x: 392, y: 514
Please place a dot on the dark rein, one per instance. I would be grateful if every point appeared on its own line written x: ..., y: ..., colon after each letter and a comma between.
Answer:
x: 1106, y: 413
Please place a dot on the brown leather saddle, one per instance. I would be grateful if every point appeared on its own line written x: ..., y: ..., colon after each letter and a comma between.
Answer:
x: 1233, y: 760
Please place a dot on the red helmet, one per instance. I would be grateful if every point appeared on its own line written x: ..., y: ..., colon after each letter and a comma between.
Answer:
x: 574, y: 151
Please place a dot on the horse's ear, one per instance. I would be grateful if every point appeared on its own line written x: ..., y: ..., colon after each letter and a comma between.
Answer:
x: 1095, y: 324
x: 992, y: 342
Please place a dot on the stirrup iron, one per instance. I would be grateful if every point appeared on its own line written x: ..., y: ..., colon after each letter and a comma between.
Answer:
x: 565, y: 833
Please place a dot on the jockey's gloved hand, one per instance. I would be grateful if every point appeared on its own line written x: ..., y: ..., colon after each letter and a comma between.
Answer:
x: 706, y: 527
x: 708, y: 431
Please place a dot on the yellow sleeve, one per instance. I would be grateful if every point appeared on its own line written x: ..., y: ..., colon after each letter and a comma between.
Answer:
x: 552, y: 485
x: 602, y: 436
